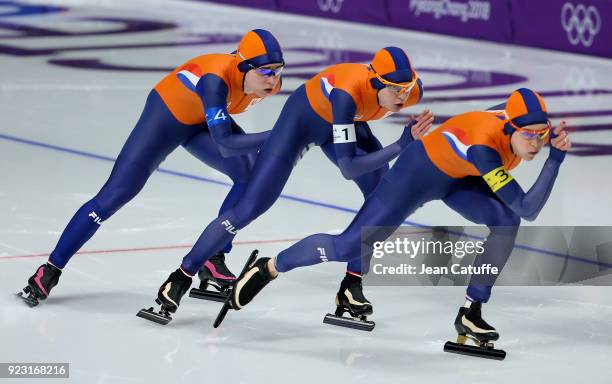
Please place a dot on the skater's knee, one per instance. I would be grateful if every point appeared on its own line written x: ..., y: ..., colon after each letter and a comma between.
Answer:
x: 125, y: 181
x: 99, y: 212
x: 241, y: 216
x: 345, y: 248
x: 110, y: 201
x: 245, y: 212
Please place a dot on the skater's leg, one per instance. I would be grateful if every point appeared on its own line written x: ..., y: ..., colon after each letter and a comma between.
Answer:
x: 215, y: 272
x: 474, y: 200
x: 155, y: 135
x: 292, y: 133
x: 267, y: 181
x: 275, y: 161
x: 322, y: 247
x: 237, y: 168
x: 412, y: 181
x: 153, y: 138
x: 125, y: 181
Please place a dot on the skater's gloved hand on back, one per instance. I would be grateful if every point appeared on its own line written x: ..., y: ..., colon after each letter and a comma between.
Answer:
x: 417, y: 127
x: 559, y: 142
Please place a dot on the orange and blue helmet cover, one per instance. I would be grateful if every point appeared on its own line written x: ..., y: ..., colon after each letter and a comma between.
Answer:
x: 257, y: 48
x: 526, y: 107
x: 392, y: 64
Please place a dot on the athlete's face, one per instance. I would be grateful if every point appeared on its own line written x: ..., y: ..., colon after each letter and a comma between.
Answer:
x: 527, y: 147
x: 391, y: 98
x: 261, y: 81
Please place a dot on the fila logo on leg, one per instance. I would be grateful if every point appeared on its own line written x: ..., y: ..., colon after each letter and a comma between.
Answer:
x: 96, y: 219
x: 229, y: 227
x: 322, y: 254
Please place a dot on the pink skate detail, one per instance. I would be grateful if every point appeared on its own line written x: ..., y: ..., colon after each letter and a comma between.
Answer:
x: 39, y: 275
x: 216, y: 274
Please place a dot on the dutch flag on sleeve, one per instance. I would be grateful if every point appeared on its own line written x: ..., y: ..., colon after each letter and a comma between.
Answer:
x: 189, y: 75
x: 458, y: 140
x: 327, y: 84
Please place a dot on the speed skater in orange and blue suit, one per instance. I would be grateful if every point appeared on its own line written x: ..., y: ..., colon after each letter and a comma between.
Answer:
x: 191, y: 107
x: 466, y: 163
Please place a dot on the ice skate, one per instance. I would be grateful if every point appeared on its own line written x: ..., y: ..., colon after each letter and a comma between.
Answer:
x: 470, y: 325
x: 350, y: 299
x: 253, y: 277
x: 215, y: 280
x: 40, y: 284
x: 168, y: 297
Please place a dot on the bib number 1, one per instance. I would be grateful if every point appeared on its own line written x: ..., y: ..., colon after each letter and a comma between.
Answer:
x: 344, y: 133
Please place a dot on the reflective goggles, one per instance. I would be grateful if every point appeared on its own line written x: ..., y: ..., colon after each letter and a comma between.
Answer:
x: 533, y: 134
x: 264, y: 71
x: 268, y: 72
x: 399, y: 88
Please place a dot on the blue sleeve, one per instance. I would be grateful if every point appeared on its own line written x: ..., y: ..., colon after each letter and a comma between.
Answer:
x: 213, y: 92
x: 350, y: 163
x: 526, y: 205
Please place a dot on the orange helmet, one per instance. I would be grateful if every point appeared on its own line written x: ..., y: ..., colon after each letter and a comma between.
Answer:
x: 257, y: 48
x: 526, y: 107
x: 392, y: 65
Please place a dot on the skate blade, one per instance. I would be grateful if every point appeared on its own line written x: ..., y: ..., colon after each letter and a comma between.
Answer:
x: 29, y: 300
x: 471, y: 350
x: 227, y: 302
x: 153, y: 316
x: 205, y: 294
x: 348, y: 322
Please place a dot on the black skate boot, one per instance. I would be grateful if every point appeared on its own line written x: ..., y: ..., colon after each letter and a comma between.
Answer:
x: 40, y: 284
x: 214, y: 274
x: 169, y: 297
x: 253, y: 277
x: 350, y: 299
x: 470, y: 325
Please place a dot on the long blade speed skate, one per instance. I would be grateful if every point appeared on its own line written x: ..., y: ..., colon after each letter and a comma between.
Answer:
x: 482, y: 349
x: 350, y: 299
x: 168, y: 297
x: 216, y: 276
x: 40, y: 284
x: 361, y: 323
x: 227, y: 303
x: 28, y: 297
x: 160, y: 317
x: 470, y: 325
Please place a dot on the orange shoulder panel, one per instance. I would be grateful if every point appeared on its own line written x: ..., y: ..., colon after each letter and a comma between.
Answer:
x: 181, y: 98
x: 448, y: 144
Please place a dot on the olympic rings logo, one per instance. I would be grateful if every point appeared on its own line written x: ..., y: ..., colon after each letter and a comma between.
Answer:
x: 330, y: 5
x: 581, y: 23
